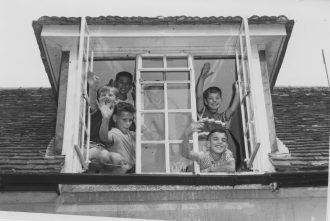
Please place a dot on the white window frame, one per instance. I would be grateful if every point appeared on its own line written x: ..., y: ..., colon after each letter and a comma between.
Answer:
x: 85, y: 64
x: 166, y: 111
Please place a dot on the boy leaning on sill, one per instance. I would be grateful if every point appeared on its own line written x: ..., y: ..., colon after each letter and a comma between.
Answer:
x: 218, y: 158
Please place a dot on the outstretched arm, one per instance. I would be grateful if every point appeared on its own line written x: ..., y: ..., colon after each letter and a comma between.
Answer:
x: 224, y: 167
x: 200, y: 86
x: 234, y: 104
x: 106, y: 107
x: 186, y: 151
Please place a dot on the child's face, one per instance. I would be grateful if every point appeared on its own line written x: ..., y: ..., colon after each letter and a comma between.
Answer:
x: 218, y: 142
x: 124, y: 84
x: 124, y: 121
x: 108, y: 95
x: 213, y: 101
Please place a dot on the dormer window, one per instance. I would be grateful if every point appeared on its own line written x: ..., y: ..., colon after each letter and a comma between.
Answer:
x: 166, y: 61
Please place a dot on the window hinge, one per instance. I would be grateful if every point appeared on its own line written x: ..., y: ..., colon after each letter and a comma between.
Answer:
x: 274, y: 186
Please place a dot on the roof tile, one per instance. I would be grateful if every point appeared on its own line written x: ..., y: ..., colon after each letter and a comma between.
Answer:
x: 302, y: 120
x: 28, y: 118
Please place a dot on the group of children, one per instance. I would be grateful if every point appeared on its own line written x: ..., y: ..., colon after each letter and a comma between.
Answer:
x: 112, y: 145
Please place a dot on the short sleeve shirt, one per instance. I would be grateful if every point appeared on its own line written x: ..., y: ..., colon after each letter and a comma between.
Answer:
x: 124, y: 144
x: 206, y: 160
x: 210, y: 125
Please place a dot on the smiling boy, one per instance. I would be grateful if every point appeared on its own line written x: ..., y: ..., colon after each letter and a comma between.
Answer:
x: 120, y: 141
x: 210, y: 101
x: 124, y: 83
x: 218, y: 158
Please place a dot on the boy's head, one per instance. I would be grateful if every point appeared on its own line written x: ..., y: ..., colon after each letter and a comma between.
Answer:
x: 124, y: 82
x: 212, y: 98
x: 123, y: 115
x: 218, y: 139
x: 107, y: 92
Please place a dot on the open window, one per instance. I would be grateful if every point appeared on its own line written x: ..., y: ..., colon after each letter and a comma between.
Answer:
x: 166, y: 62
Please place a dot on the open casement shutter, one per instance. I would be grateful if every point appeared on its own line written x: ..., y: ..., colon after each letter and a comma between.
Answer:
x: 85, y: 61
x: 244, y: 71
x: 161, y: 122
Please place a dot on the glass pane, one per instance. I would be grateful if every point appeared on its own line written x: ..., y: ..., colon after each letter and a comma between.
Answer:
x: 153, y: 157
x: 178, y: 122
x: 153, y: 126
x: 178, y: 96
x: 177, y: 162
x: 152, y: 62
x: 177, y: 62
x: 177, y: 76
x: 152, y: 96
x: 152, y: 76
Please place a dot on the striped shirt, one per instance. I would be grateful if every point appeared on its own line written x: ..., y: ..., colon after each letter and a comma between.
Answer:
x: 207, y: 160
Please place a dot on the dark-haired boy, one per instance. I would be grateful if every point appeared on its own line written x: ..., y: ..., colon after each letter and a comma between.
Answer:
x: 218, y: 158
x: 210, y: 101
x: 120, y: 141
x: 124, y: 83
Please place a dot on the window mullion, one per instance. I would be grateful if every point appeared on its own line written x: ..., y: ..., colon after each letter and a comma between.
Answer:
x: 167, y: 145
x: 193, y: 108
x: 138, y: 114
x: 241, y: 94
x: 89, y: 112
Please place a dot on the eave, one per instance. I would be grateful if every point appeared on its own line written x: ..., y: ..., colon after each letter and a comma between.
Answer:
x: 174, y: 20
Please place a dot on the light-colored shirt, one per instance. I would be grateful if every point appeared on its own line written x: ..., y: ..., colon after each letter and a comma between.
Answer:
x: 207, y: 160
x: 123, y: 144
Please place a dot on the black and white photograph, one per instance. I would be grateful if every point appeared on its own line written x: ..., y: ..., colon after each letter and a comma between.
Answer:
x: 188, y: 110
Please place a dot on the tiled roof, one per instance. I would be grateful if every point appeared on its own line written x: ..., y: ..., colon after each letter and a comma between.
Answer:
x: 27, y: 125
x: 28, y: 116
x: 302, y: 120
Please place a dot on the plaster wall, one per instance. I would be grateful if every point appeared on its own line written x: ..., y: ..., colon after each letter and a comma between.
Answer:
x: 191, y: 204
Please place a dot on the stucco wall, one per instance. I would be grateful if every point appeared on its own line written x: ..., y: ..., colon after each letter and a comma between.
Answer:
x: 177, y: 203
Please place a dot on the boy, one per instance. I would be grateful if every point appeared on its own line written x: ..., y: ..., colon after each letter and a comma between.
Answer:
x: 218, y: 158
x: 124, y: 83
x: 105, y: 95
x: 120, y: 141
x: 209, y: 101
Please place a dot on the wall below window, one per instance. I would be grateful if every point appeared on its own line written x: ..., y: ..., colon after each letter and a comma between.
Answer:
x: 253, y: 202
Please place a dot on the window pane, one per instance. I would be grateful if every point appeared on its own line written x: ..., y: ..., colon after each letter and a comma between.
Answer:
x: 177, y: 162
x: 153, y: 157
x: 177, y: 76
x: 177, y: 62
x: 152, y: 62
x: 152, y: 76
x: 178, y: 122
x: 152, y: 96
x: 153, y: 126
x: 178, y: 96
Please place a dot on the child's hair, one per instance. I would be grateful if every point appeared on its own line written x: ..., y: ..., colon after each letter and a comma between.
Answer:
x: 219, y: 130
x: 124, y: 74
x: 123, y: 107
x: 210, y: 90
x: 105, y: 88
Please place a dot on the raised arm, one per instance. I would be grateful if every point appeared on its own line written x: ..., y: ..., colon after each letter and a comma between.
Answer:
x: 92, y: 80
x: 106, y: 107
x: 200, y: 86
x: 234, y: 104
x: 185, y: 150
